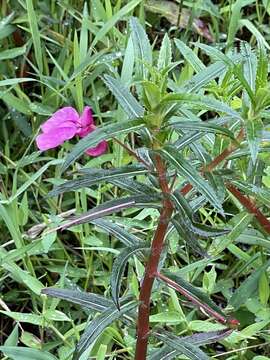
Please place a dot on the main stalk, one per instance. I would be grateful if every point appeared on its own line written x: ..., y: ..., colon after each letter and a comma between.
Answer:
x: 152, y: 265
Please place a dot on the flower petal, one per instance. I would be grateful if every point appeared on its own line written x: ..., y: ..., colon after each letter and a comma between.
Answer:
x: 98, y: 150
x: 65, y: 116
x: 55, y: 137
x: 85, y: 122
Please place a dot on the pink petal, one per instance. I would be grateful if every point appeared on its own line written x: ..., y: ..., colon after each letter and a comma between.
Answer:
x: 98, y: 150
x: 55, y: 137
x: 85, y: 122
x: 62, y: 117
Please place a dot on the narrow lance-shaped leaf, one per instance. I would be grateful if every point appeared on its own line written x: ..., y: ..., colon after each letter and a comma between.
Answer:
x: 117, y: 231
x: 254, y: 129
x: 103, y: 133
x: 206, y: 127
x: 96, y: 176
x: 190, y: 56
x: 186, y: 212
x: 111, y: 207
x: 165, y: 53
x: 88, y: 300
x: 99, y: 324
x: 133, y: 186
x: 126, y: 100
x: 203, y: 102
x: 142, y: 45
x: 171, y: 154
x: 168, y: 353
x: 192, y: 351
x: 195, y: 295
x: 190, y: 238
x: 118, y: 270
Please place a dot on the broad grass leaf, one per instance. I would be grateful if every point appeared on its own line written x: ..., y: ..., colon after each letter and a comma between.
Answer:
x: 248, y: 287
x: 103, y: 133
x: 23, y: 353
x: 113, y: 20
x: 23, y: 277
x: 15, y: 81
x: 12, y: 53
x: 33, y: 23
x: 118, y: 270
x: 235, y: 19
x: 24, y: 317
x: 5, y: 27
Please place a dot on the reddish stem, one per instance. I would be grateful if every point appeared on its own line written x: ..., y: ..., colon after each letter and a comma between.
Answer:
x: 152, y: 265
x: 250, y: 206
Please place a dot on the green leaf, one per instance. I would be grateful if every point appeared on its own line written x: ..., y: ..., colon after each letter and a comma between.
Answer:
x: 87, y: 300
x: 15, y: 81
x: 196, y: 295
x: 201, y: 102
x: 119, y: 15
x: 96, y: 176
x: 171, y: 154
x: 33, y: 23
x: 254, y: 129
x: 117, y: 231
x: 99, y: 324
x: 5, y: 27
x: 203, y: 78
x: 103, y: 133
x: 12, y: 53
x: 190, y: 56
x: 142, y: 46
x: 125, y: 99
x: 165, y: 53
x: 24, y: 317
x: 184, y: 347
x: 235, y: 19
x: 23, y: 277
x: 13, y: 337
x: 32, y: 179
x: 23, y: 353
x: 248, y: 287
x: 262, y: 68
x: 167, y: 353
x: 190, y: 238
x: 206, y: 127
x: 118, y: 270
x: 111, y: 207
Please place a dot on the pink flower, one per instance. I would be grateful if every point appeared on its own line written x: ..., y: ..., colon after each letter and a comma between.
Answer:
x: 64, y: 125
